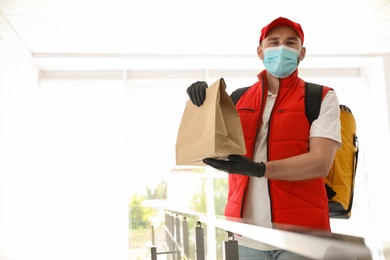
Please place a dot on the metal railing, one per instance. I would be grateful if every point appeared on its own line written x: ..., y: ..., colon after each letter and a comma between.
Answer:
x: 308, y: 243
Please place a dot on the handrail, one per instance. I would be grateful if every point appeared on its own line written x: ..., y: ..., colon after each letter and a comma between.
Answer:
x: 309, y: 243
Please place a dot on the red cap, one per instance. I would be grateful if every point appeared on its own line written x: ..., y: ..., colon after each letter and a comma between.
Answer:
x: 281, y: 21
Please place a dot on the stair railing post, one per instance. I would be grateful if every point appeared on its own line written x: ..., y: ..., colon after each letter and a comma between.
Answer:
x: 153, y: 253
x: 230, y: 247
x: 186, y: 235
x: 177, y: 235
x: 199, y: 241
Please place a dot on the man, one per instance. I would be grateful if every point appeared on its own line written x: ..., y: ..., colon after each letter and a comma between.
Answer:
x: 280, y: 179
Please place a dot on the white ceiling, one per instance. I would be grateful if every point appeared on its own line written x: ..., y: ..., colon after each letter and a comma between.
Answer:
x: 187, y: 27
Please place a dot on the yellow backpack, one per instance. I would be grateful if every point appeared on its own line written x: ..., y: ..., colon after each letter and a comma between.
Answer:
x: 341, y: 178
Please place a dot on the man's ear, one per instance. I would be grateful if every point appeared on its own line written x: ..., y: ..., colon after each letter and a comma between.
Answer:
x: 302, y: 53
x: 260, y: 52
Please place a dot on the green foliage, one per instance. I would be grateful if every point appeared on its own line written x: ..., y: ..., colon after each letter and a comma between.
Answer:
x: 198, y: 201
x: 140, y: 215
x: 220, y: 195
x: 158, y: 193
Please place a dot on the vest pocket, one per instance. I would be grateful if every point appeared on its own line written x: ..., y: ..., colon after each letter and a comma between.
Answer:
x: 298, y: 194
x: 249, y: 110
x: 309, y: 196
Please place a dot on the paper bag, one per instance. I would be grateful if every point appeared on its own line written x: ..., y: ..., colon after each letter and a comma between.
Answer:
x: 212, y: 130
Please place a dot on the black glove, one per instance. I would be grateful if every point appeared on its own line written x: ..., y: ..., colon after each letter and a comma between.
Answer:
x: 238, y: 164
x: 197, y: 92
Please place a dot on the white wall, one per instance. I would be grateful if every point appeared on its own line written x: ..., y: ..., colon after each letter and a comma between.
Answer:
x: 377, y: 155
x: 62, y: 174
x: 386, y: 69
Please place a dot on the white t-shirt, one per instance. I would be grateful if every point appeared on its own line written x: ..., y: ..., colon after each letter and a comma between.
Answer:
x: 257, y: 208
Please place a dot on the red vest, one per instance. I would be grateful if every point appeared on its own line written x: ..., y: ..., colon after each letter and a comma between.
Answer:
x: 301, y: 203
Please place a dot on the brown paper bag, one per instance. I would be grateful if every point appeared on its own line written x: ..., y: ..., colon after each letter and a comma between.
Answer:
x: 211, y: 130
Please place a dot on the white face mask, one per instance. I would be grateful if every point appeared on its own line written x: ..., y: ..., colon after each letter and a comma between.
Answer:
x: 280, y: 61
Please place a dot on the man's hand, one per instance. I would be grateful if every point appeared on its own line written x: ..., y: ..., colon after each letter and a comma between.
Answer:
x: 238, y: 164
x: 197, y: 92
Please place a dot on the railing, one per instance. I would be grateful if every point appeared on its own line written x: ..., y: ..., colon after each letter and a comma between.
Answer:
x: 309, y: 243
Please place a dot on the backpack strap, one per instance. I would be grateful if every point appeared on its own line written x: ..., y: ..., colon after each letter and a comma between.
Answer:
x: 313, y: 99
x: 235, y: 96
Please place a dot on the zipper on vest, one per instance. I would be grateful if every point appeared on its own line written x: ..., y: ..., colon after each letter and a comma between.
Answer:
x: 273, y: 111
x: 268, y: 180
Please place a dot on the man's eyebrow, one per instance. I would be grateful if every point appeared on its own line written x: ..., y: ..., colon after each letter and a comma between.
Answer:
x: 293, y: 38
x: 273, y: 38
